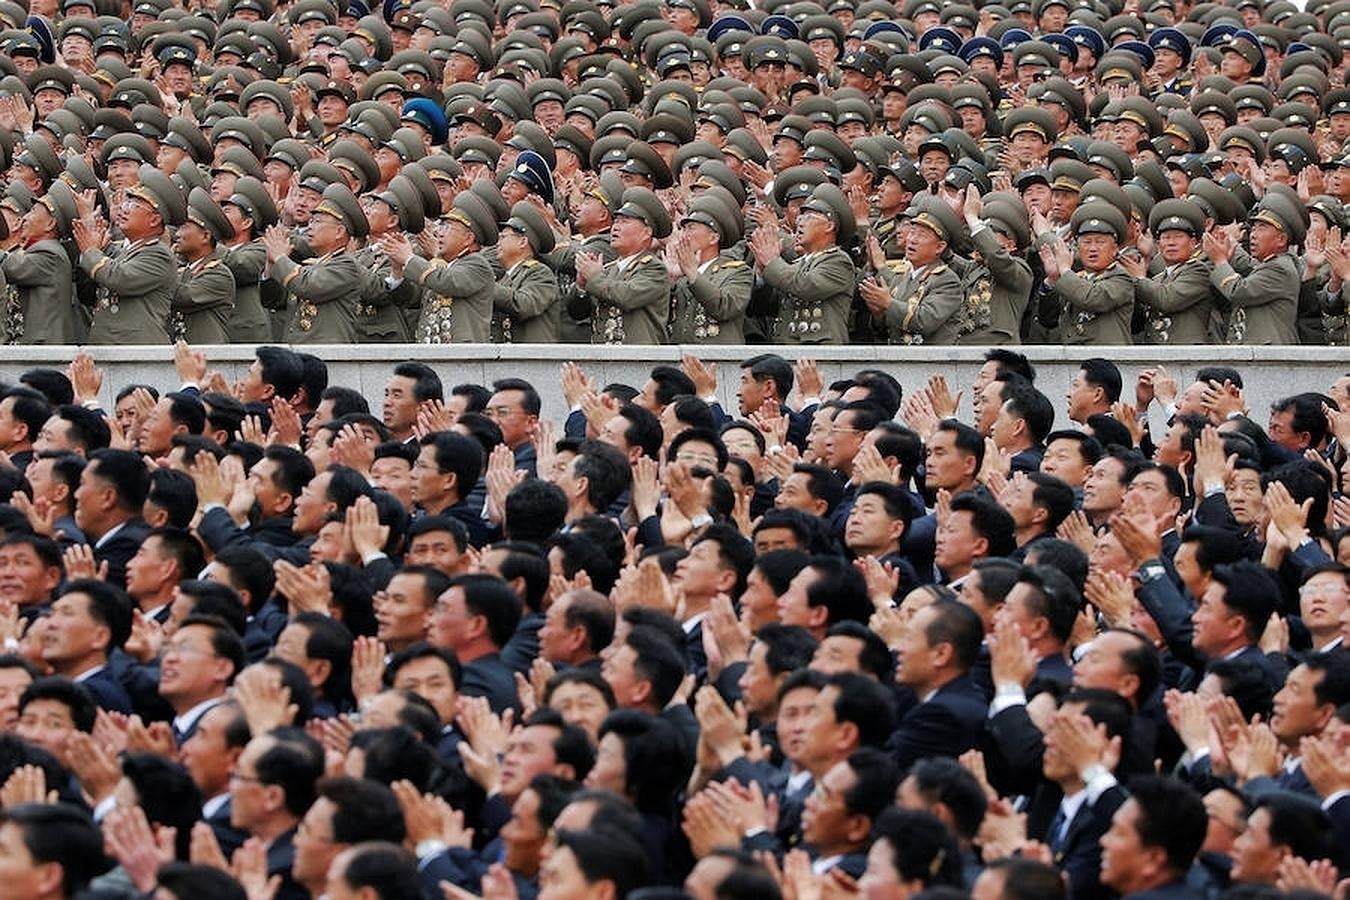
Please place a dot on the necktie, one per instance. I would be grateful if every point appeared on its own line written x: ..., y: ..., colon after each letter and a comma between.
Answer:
x: 1058, y: 824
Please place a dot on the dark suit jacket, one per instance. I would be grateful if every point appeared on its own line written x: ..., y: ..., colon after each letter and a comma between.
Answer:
x: 489, y: 677
x: 120, y: 548
x: 108, y: 692
x: 1177, y: 890
x: 1028, y: 460
x: 947, y: 725
x: 229, y: 837
x: 1079, y: 855
x: 520, y: 651
x: 280, y: 858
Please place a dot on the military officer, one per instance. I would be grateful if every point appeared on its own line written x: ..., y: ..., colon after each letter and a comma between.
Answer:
x: 1097, y: 303
x: 999, y: 289
x: 896, y: 186
x: 251, y: 212
x: 527, y: 308
x: 1178, y: 301
x: 818, y: 288
x: 40, y: 272
x: 327, y: 288
x: 632, y: 293
x: 592, y: 221
x: 135, y: 280
x: 458, y: 284
x: 379, y: 319
x: 919, y: 305
x: 205, y: 297
x: 1265, y: 301
x: 712, y: 286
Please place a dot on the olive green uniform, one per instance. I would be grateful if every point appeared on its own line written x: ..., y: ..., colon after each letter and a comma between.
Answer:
x: 1264, y: 304
x: 923, y: 305
x: 249, y: 323
x: 457, y: 304
x: 576, y: 304
x: 632, y: 301
x: 379, y: 317
x: 41, y: 277
x: 1177, y: 303
x: 817, y: 293
x: 997, y: 290
x: 326, y: 291
x: 527, y: 306
x: 203, y: 301
x: 1097, y: 307
x: 134, y: 287
x: 711, y: 308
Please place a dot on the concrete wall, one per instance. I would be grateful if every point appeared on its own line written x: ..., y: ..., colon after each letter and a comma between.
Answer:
x: 1269, y: 372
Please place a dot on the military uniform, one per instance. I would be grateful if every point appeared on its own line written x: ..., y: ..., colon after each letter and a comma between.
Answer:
x: 1097, y: 307
x: 1177, y: 303
x: 526, y: 304
x: 997, y: 291
x: 40, y: 276
x: 711, y: 308
x: 249, y: 323
x: 1264, y: 303
x: 379, y: 316
x: 817, y: 293
x: 632, y: 298
x: 325, y: 291
x: 134, y: 286
x: 924, y: 302
x: 576, y: 303
x: 203, y: 302
x: 457, y: 304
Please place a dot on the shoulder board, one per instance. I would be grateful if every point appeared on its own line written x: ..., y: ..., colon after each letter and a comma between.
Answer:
x: 733, y: 264
x: 530, y: 263
x: 646, y: 259
x: 214, y: 262
x: 940, y: 269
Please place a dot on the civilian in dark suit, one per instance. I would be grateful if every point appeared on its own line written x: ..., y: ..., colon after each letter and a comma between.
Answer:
x: 289, y: 759
x: 837, y: 820
x: 357, y: 810
x: 1153, y: 839
x: 108, y: 505
x: 936, y: 655
x: 88, y: 621
x: 474, y: 619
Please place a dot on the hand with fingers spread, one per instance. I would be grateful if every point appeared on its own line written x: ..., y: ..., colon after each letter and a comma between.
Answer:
x: 367, y: 668
x: 26, y: 784
x: 1112, y: 595
x: 1011, y: 658
x: 138, y: 848
x: 79, y: 563
x: 264, y: 700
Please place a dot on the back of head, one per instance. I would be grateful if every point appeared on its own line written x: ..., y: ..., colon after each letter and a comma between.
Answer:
x: 385, y: 868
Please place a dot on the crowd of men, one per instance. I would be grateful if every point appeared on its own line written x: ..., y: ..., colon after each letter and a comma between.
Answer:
x: 856, y: 638
x: 675, y: 171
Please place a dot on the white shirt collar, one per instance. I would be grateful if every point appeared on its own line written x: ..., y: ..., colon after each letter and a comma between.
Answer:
x: 188, y: 719
x: 107, y: 535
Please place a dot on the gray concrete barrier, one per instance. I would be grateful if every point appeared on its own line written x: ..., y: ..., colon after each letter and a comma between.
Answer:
x: 1269, y: 372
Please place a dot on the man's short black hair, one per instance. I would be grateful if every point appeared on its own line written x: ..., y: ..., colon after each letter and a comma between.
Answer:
x: 183, y: 547
x: 1171, y: 816
x: 822, y: 484
x: 384, y: 867
x: 643, y: 431
x: 211, y: 598
x: 572, y: 747
x: 605, y: 854
x: 863, y: 702
x: 60, y: 833
x: 1033, y: 408
x: 166, y: 792
x: 894, y: 499
x: 175, y: 492
x: 53, y: 384
x: 735, y: 552
x: 696, y: 413
x: 997, y: 576
x: 282, y: 369
x: 1213, y: 546
x: 458, y: 454
x: 294, y: 762
x: 475, y: 396
x: 70, y: 694
x: 108, y: 605
x: 458, y: 532
x: 526, y: 562
x: 1104, y: 374
x: 535, y: 510
x: 423, y: 650
x: 966, y: 439
x: 397, y: 450
x: 1297, y: 822
x: 127, y: 390
x: 86, y: 428
x: 659, y: 661
x: 941, y: 779
x: 957, y: 624
x: 883, y: 390
x: 606, y: 470
x: 1251, y: 592
x: 1334, y: 686
x: 1053, y: 495
x: 1306, y: 414
x: 770, y: 365
x: 895, y: 441
x: 199, y: 882
x: 671, y: 382
x: 990, y: 521
x: 47, y: 550
x: 874, y: 658
x: 655, y: 756
x: 30, y: 408
x: 1108, y: 431
x: 364, y: 810
x: 225, y: 641
x: 840, y: 588
x: 248, y: 570
x: 779, y: 567
x: 1011, y: 361
x: 593, y: 612
x: 426, y: 383
x: 126, y: 473
x: 1089, y: 448
x: 223, y: 412
x: 876, y: 777
x: 1051, y: 596
x: 314, y: 379
x: 345, y: 401
x: 707, y: 436
x: 490, y: 597
x: 529, y: 400
x: 786, y: 647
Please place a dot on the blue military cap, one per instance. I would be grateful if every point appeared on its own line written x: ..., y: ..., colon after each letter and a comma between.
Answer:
x: 723, y: 24
x: 429, y: 115
x: 1171, y: 39
x: 940, y: 38
x: 1014, y: 36
x: 357, y: 9
x: 886, y: 26
x: 781, y: 26
x: 41, y: 30
x: 391, y: 7
x: 1141, y: 50
x: 1218, y: 34
x: 532, y: 171
x: 1088, y: 37
x: 1247, y: 45
x: 1064, y: 44
x: 982, y: 46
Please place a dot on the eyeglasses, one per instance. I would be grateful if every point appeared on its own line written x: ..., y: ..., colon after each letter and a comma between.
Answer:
x: 182, y: 649
x: 501, y: 412
x: 247, y: 779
